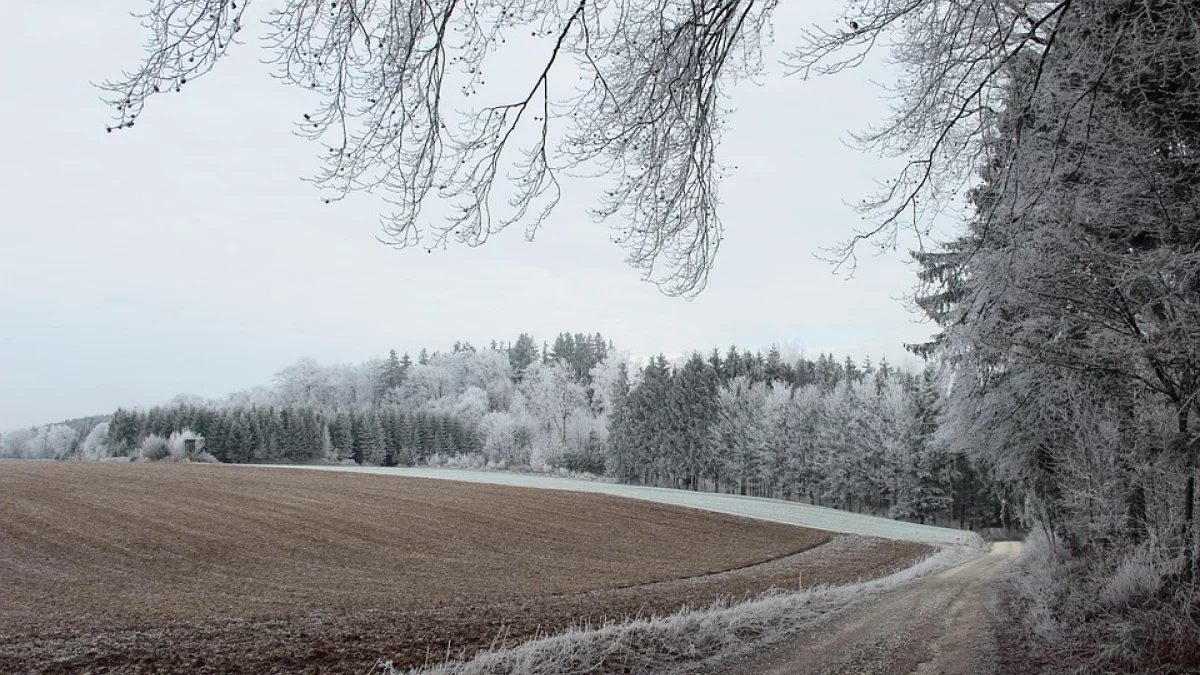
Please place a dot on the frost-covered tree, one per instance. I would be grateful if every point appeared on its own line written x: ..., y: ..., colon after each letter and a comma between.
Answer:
x: 737, y: 433
x: 1079, y: 271
x: 329, y: 453
x: 779, y: 423
x: 610, y: 381
x: 16, y: 443
x: 633, y: 90
x: 508, y: 435
x: 803, y: 426
x: 52, y: 441
x: 425, y: 383
x: 691, y: 408
x: 255, y: 396
x: 392, y: 375
x: 95, y: 444
x: 444, y: 378
x: 522, y: 353
x: 556, y: 400
x: 371, y: 441
x: 342, y: 435
x: 305, y: 382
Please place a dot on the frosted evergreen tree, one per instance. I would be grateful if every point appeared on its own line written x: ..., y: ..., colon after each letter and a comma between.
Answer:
x: 523, y: 353
x: 372, y: 442
x: 392, y: 375
x: 329, y: 453
x: 692, y: 404
x: 342, y: 434
x: 737, y: 432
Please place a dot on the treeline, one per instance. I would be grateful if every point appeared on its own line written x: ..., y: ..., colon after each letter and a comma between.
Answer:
x: 79, y: 438
x: 533, y: 397
x: 383, y: 437
x: 854, y: 437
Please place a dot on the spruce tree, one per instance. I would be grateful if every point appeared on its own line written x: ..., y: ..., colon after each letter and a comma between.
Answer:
x: 391, y: 375
x: 522, y: 354
x: 622, y: 440
x: 342, y: 433
x: 774, y: 369
x: 123, y: 432
x: 373, y: 442
x: 733, y: 364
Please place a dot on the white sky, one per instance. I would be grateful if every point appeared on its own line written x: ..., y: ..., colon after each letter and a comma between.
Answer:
x: 187, y: 256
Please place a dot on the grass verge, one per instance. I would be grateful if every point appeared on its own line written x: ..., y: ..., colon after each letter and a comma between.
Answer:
x: 688, y: 637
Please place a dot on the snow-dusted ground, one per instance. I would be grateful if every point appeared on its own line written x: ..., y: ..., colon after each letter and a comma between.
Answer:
x: 753, y: 507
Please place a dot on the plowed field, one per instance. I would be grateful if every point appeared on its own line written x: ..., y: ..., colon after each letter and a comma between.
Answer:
x: 144, y: 568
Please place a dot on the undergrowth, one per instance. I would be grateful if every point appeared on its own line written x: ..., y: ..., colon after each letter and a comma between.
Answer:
x: 1113, y: 613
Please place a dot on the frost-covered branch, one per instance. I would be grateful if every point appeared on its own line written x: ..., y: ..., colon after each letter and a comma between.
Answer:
x: 956, y: 63
x: 397, y: 78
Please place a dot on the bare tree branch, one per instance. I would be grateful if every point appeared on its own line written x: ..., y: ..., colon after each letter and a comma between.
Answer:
x: 386, y: 70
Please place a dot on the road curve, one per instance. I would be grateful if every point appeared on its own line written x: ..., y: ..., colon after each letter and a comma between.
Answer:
x: 941, y: 625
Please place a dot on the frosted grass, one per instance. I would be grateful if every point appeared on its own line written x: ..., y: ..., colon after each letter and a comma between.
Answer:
x: 685, y: 639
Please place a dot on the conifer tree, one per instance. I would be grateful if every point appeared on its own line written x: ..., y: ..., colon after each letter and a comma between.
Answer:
x: 622, y: 438
x: 736, y: 432
x: 522, y: 354
x: 392, y: 375
x: 124, y: 432
x: 342, y: 434
x: 329, y: 453
x: 373, y: 443
x: 693, y: 405
x: 717, y: 366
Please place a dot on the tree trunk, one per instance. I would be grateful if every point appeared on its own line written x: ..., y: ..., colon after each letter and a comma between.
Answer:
x: 1189, y: 507
x: 1136, y: 513
x: 1189, y: 513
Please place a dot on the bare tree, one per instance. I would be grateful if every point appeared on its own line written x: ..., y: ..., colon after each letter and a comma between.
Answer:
x: 395, y: 77
x: 628, y: 89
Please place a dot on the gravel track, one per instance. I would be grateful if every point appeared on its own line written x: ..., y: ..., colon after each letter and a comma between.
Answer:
x: 946, y: 624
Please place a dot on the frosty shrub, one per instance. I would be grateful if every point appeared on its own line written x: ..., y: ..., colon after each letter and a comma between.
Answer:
x: 153, y: 448
x: 461, y: 461
x: 1124, y: 611
x: 1134, y: 580
x: 590, y: 462
x: 1039, y: 584
x: 177, y: 445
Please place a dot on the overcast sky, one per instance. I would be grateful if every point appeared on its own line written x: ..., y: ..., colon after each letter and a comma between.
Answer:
x: 187, y: 255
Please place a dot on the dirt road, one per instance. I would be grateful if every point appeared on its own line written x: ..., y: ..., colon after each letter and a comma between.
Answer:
x: 943, y: 625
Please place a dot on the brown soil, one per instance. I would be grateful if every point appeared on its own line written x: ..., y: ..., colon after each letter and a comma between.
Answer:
x: 215, y: 569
